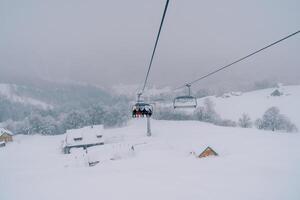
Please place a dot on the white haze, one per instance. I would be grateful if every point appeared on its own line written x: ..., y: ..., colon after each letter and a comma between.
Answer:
x: 110, y: 42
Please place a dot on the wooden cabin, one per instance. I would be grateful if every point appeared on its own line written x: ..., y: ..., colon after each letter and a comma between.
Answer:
x: 207, y: 152
x: 5, y: 135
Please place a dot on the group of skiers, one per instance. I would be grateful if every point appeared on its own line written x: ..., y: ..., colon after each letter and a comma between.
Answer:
x: 141, y: 112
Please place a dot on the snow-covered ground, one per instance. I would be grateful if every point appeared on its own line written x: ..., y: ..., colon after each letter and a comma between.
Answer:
x: 252, y: 165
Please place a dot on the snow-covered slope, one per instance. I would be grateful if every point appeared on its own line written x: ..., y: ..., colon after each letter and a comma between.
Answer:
x: 257, y: 102
x: 252, y: 164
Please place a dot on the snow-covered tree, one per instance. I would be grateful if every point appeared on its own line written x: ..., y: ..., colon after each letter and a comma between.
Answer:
x: 273, y: 120
x: 75, y: 120
x: 258, y: 123
x: 95, y: 114
x: 36, y: 123
x: 207, y: 113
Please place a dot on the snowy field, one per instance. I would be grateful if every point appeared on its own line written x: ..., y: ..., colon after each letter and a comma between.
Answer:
x: 257, y: 102
x: 252, y: 165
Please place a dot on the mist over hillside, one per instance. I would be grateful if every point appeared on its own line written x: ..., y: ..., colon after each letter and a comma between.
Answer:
x: 51, y: 107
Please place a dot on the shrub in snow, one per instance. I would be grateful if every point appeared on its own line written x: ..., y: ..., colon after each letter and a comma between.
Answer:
x: 286, y: 124
x: 245, y: 121
x: 273, y: 120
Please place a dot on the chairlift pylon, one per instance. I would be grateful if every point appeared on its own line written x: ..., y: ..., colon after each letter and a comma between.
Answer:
x: 186, y: 101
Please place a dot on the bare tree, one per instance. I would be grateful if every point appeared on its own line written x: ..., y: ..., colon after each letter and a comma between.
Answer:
x: 245, y: 121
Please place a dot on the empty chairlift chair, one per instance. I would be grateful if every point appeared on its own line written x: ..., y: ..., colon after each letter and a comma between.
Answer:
x: 186, y: 101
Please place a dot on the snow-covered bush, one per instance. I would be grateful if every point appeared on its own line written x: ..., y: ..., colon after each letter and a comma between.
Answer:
x: 245, y: 121
x: 273, y: 120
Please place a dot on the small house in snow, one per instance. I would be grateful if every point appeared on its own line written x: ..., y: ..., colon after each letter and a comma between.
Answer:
x: 5, y: 135
x: 205, y: 153
x: 83, y: 138
x: 208, y: 152
x: 276, y: 93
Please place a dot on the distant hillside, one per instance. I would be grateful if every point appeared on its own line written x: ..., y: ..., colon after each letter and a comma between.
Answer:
x: 255, y: 103
x: 15, y: 94
x: 44, y: 104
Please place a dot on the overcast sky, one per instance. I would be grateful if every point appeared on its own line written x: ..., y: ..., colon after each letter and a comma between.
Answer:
x: 109, y: 42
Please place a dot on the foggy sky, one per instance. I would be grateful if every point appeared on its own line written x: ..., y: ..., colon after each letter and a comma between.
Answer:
x: 109, y: 42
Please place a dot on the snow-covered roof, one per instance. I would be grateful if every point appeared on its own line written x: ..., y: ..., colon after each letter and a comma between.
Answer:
x: 201, y: 148
x: 3, y: 130
x: 84, y: 136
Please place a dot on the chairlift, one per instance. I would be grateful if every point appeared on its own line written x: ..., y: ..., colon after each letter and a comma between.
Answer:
x: 186, y: 101
x: 141, y: 109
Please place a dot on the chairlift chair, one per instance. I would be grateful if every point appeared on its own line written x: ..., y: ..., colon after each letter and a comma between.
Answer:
x: 186, y: 101
x: 141, y: 109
